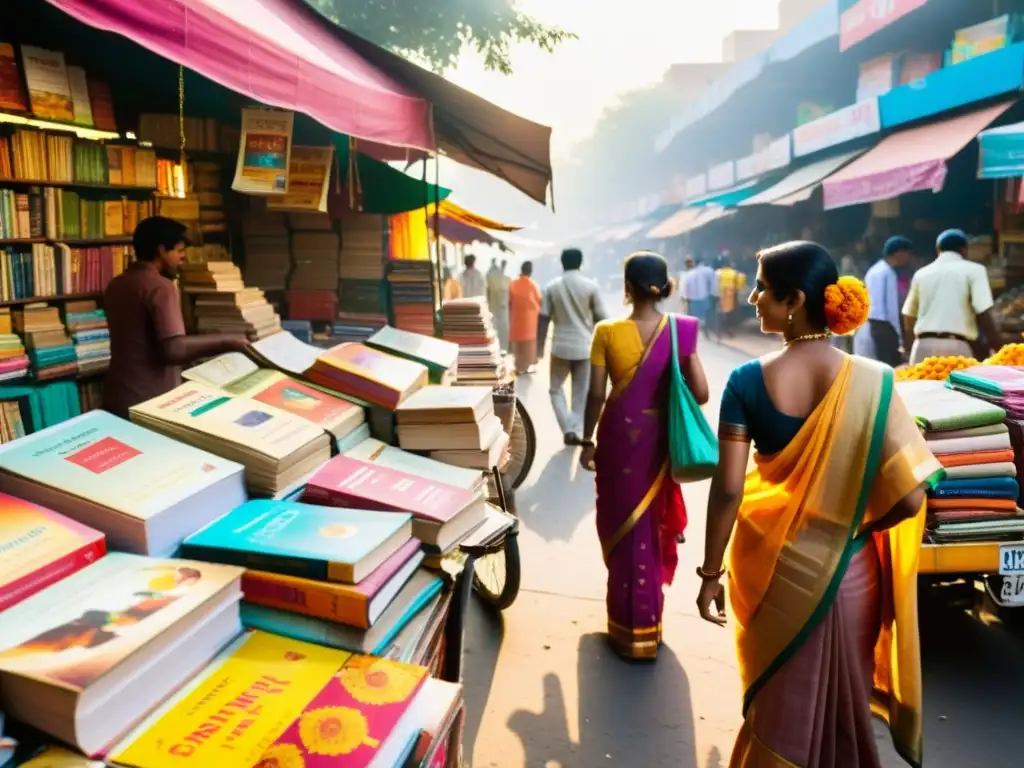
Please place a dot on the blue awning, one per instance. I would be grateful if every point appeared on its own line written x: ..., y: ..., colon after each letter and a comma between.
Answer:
x: 1002, y: 152
x: 731, y: 197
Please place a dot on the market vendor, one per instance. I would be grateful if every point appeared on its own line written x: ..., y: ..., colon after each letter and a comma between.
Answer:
x: 148, y: 344
x: 949, y: 302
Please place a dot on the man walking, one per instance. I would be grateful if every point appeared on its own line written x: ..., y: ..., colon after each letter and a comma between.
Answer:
x: 497, y: 299
x: 949, y: 301
x: 573, y: 303
x: 700, y: 282
x: 473, y: 283
x: 524, y: 310
x: 882, y: 338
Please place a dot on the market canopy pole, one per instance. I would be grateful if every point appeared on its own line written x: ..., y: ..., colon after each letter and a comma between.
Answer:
x: 276, y: 52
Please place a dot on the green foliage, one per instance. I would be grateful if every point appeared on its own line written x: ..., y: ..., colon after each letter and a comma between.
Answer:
x: 437, y: 31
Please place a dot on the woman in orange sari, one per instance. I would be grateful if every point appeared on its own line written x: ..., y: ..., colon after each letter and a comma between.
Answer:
x: 524, y: 311
x: 640, y: 511
x: 826, y: 531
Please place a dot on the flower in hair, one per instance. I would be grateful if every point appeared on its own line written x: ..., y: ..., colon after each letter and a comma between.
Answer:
x: 846, y: 305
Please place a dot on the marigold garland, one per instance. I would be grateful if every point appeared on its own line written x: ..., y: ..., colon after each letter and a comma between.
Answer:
x: 846, y: 305
x: 934, y: 368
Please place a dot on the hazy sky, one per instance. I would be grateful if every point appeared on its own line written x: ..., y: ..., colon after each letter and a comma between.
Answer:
x: 624, y: 44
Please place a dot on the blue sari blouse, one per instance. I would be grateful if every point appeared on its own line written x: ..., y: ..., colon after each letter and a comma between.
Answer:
x: 748, y: 413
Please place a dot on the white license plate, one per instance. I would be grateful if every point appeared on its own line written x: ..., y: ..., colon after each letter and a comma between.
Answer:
x: 1012, y: 590
x: 1011, y: 559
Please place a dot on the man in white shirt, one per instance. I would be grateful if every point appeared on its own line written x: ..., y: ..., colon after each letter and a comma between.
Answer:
x: 473, y: 282
x: 949, y: 302
x: 573, y: 303
x: 700, y: 284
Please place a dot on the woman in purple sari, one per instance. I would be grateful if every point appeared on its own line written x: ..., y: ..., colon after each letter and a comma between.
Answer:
x: 640, y: 511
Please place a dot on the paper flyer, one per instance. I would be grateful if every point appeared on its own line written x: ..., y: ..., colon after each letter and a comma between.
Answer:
x: 264, y: 152
x: 309, y: 180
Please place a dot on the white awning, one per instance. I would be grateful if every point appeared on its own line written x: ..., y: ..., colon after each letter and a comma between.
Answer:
x: 800, y: 184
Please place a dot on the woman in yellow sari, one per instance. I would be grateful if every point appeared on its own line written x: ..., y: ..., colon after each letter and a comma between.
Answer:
x: 825, y: 531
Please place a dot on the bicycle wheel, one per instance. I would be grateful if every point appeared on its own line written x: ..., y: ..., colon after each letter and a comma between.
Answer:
x: 496, y: 576
x: 522, y: 448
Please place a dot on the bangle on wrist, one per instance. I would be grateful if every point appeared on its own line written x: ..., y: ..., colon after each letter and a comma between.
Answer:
x: 710, y: 575
x: 587, y: 443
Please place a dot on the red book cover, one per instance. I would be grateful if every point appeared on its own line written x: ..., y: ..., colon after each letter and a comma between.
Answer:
x: 102, y: 105
x: 12, y: 96
x: 344, y: 481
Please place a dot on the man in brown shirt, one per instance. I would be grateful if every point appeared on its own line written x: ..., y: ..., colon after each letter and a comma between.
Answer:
x: 148, y: 344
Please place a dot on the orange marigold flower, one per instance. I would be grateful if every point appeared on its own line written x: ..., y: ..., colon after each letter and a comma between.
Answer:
x: 846, y: 305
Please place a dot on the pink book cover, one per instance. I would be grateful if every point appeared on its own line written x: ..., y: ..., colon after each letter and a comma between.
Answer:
x: 349, y: 720
x: 344, y: 481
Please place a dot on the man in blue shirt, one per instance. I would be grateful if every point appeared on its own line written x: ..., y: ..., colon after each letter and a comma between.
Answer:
x: 882, y: 337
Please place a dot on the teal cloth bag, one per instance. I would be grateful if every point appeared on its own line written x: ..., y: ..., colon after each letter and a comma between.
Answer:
x: 692, y: 445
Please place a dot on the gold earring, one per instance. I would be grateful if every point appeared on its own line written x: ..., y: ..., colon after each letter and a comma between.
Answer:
x: 790, y: 319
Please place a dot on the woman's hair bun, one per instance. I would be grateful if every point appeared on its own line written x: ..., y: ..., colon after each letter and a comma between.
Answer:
x: 846, y: 305
x: 646, y: 273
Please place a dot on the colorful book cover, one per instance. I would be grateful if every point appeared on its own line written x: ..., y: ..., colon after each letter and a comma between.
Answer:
x: 12, y: 97
x: 299, y: 539
x: 394, y: 373
x: 437, y: 354
x: 385, y: 455
x: 49, y: 91
x: 39, y: 547
x: 58, y: 757
x: 344, y: 603
x: 351, y: 718
x: 229, y: 714
x: 287, y: 394
x: 115, y: 463
x: 238, y: 420
x: 352, y: 482
x: 78, y: 629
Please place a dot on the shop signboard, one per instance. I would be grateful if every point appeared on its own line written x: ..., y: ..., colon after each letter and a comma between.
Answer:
x: 776, y: 155
x: 876, y: 77
x: 980, y: 39
x: 722, y: 176
x: 696, y: 186
x: 866, y: 17
x: 853, y: 122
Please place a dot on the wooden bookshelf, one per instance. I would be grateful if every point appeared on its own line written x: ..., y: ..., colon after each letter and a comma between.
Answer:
x: 61, y: 297
x: 78, y: 185
x: 21, y: 240
x: 88, y: 241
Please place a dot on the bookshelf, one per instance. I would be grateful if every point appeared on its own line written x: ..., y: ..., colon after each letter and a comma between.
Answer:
x: 63, y: 297
x: 76, y: 185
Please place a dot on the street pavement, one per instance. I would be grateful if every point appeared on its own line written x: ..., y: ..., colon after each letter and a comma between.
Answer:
x: 543, y: 690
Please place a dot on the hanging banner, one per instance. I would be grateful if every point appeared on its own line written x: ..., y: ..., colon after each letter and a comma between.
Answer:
x: 776, y: 155
x: 309, y: 180
x: 866, y: 17
x: 853, y: 122
x: 264, y: 152
x: 722, y: 176
x: 696, y: 186
x: 980, y: 39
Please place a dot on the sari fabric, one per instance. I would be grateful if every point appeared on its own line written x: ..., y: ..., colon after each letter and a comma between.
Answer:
x: 640, y: 510
x: 826, y: 609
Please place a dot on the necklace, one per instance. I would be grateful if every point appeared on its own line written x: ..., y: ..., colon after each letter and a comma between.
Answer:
x: 808, y: 337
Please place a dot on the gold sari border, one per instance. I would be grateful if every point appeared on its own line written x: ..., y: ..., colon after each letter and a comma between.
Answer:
x: 641, y: 643
x: 735, y: 433
x: 624, y: 382
x: 637, y: 513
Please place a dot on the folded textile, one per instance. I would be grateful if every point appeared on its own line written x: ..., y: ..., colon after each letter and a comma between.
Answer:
x: 962, y: 495
x: 1009, y: 504
x: 995, y: 442
x: 936, y: 407
x: 979, y: 484
x: 974, y: 471
x: 995, y: 381
x: 951, y: 434
x: 972, y: 515
x: 975, y: 457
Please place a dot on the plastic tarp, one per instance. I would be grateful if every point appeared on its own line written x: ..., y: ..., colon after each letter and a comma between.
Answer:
x: 1001, y: 152
x: 727, y: 198
x: 449, y: 210
x: 276, y: 52
x: 676, y: 224
x: 800, y: 184
x: 908, y: 161
x: 973, y: 81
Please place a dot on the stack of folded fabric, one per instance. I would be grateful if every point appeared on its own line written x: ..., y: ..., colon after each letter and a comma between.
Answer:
x: 1002, y: 385
x: 977, y: 500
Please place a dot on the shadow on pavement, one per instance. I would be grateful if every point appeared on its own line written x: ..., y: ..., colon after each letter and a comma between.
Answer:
x: 485, y: 632
x: 561, y: 497
x: 629, y: 714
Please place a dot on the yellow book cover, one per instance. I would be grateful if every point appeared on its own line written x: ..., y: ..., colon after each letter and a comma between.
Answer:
x: 237, y: 708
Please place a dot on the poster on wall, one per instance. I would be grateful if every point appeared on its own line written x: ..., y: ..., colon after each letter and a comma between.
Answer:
x: 877, y: 77
x: 49, y: 92
x: 309, y: 180
x: 980, y: 39
x: 864, y: 18
x: 264, y: 152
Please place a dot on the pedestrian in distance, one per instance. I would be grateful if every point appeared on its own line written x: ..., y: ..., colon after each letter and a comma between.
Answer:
x: 524, y: 311
x: 825, y: 532
x: 949, y: 303
x: 573, y: 304
x: 882, y: 337
x: 640, y: 512
x: 472, y: 280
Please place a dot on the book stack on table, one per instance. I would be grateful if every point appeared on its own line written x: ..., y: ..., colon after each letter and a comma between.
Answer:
x: 455, y: 425
x: 468, y: 323
x: 413, y: 294
x: 223, y: 304
x: 87, y: 324
x: 439, y: 356
x: 51, y: 352
x: 14, y: 362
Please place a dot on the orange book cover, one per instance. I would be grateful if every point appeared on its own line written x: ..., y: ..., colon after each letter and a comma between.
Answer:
x: 394, y: 373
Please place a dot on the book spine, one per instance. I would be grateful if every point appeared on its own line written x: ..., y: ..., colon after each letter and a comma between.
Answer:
x: 26, y: 586
x: 318, y: 601
x: 290, y: 566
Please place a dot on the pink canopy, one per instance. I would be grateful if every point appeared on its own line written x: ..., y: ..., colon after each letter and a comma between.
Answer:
x: 276, y: 51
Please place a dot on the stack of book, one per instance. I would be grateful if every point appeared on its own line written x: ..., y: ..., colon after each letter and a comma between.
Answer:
x: 143, y: 491
x: 315, y: 254
x: 345, y: 578
x: 87, y: 324
x: 267, y: 261
x: 354, y: 327
x: 278, y: 449
x: 413, y: 295
x: 90, y: 394
x: 455, y: 425
x: 223, y: 304
x: 467, y: 322
x: 441, y: 357
x: 363, y: 237
x: 13, y: 360
x: 50, y: 350
x: 368, y: 374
